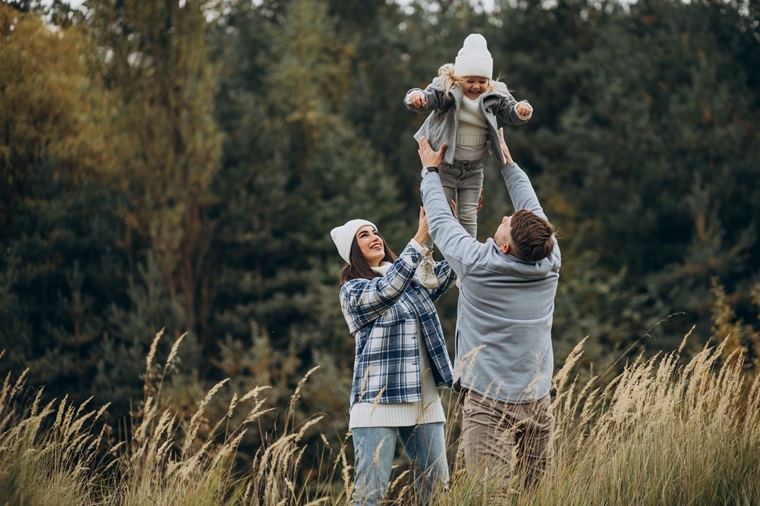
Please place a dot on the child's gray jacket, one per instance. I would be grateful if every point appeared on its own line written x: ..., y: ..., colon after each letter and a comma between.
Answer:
x: 440, y: 127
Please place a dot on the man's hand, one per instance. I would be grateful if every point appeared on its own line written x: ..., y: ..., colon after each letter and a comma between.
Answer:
x: 428, y: 157
x: 504, y: 148
x: 417, y: 99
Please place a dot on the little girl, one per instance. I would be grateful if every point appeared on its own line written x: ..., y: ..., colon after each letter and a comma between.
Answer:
x: 465, y: 102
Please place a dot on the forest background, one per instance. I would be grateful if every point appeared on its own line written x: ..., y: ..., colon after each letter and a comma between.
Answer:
x: 179, y: 165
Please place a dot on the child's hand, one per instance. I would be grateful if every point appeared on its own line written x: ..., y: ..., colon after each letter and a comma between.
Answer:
x: 417, y: 99
x: 524, y: 109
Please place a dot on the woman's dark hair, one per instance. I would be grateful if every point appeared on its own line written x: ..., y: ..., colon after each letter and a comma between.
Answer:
x: 359, y: 268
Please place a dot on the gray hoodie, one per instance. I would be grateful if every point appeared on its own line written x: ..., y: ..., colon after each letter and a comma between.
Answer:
x: 506, y: 305
x: 441, y: 125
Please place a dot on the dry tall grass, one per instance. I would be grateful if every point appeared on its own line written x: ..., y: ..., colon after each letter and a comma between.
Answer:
x: 48, y: 454
x: 664, y: 431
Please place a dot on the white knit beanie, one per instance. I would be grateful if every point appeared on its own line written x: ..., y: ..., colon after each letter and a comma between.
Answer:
x: 474, y: 59
x: 343, y: 236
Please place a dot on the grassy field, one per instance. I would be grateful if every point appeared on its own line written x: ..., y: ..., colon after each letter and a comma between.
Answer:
x: 667, y: 430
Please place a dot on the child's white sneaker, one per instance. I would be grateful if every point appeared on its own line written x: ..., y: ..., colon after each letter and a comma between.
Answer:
x: 426, y: 272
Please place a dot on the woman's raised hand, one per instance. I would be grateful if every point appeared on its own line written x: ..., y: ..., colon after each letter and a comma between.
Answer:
x: 423, y: 232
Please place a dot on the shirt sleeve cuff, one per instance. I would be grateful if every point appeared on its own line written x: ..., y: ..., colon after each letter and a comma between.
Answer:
x: 422, y: 250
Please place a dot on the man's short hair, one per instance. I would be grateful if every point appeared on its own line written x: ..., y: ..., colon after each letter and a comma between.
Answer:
x: 532, y: 236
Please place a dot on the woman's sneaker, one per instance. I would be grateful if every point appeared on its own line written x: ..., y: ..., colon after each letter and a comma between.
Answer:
x: 426, y: 272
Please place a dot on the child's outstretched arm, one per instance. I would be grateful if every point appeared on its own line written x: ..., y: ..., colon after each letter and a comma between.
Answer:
x: 509, y: 110
x: 431, y: 98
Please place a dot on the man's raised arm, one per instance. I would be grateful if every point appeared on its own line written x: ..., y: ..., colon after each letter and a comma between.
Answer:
x: 520, y: 190
x: 522, y: 193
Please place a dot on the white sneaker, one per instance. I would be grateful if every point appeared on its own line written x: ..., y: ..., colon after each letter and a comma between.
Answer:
x: 426, y: 272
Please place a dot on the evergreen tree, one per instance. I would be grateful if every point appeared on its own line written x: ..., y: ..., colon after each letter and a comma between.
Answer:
x: 62, y: 265
x: 653, y: 145
x: 294, y: 167
x: 155, y: 59
x: 299, y: 171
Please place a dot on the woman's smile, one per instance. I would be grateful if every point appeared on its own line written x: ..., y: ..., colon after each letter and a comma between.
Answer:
x: 371, y: 245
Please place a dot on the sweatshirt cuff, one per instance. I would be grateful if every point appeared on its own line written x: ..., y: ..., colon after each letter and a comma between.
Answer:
x: 508, y: 168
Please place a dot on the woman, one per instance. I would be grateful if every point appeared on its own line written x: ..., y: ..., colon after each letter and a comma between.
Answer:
x: 400, y: 359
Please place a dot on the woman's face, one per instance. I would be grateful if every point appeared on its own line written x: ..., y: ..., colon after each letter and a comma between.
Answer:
x: 371, y: 245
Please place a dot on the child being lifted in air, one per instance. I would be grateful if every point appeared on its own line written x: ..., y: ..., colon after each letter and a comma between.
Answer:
x: 465, y: 102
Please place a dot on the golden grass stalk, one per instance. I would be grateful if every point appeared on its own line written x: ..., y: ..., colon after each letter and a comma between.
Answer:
x: 46, y: 459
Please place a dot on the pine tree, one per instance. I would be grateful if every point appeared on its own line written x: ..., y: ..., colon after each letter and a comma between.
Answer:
x: 61, y: 266
x: 653, y: 145
x: 298, y: 173
x: 294, y: 168
x: 155, y: 59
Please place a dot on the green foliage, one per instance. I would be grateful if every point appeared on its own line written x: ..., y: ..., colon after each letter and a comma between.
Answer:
x: 155, y: 60
x: 61, y: 266
x: 119, y: 352
x: 653, y: 143
x: 289, y: 178
x: 62, y: 273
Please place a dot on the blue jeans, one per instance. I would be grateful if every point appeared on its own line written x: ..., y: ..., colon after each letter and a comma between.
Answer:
x: 374, y: 448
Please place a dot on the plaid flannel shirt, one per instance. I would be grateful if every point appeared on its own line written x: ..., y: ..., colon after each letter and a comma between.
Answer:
x: 386, y: 315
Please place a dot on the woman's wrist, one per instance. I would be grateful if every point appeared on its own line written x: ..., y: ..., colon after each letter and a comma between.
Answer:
x: 418, y: 243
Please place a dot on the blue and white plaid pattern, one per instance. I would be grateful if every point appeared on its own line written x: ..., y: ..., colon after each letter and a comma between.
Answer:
x: 382, y: 315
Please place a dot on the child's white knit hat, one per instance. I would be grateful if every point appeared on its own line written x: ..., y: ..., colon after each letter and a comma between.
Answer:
x: 343, y: 236
x: 474, y: 59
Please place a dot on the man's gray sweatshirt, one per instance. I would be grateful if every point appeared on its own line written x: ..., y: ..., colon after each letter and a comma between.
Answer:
x: 504, y: 321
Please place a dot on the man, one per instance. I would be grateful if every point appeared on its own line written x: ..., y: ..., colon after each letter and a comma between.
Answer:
x: 503, y: 358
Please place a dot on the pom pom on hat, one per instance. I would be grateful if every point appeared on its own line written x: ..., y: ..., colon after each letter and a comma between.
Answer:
x: 474, y: 59
x: 343, y: 236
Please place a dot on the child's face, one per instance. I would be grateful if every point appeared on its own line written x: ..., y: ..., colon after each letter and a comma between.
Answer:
x: 474, y: 86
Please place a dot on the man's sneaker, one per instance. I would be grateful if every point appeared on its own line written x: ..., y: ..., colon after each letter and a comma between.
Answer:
x: 426, y: 272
